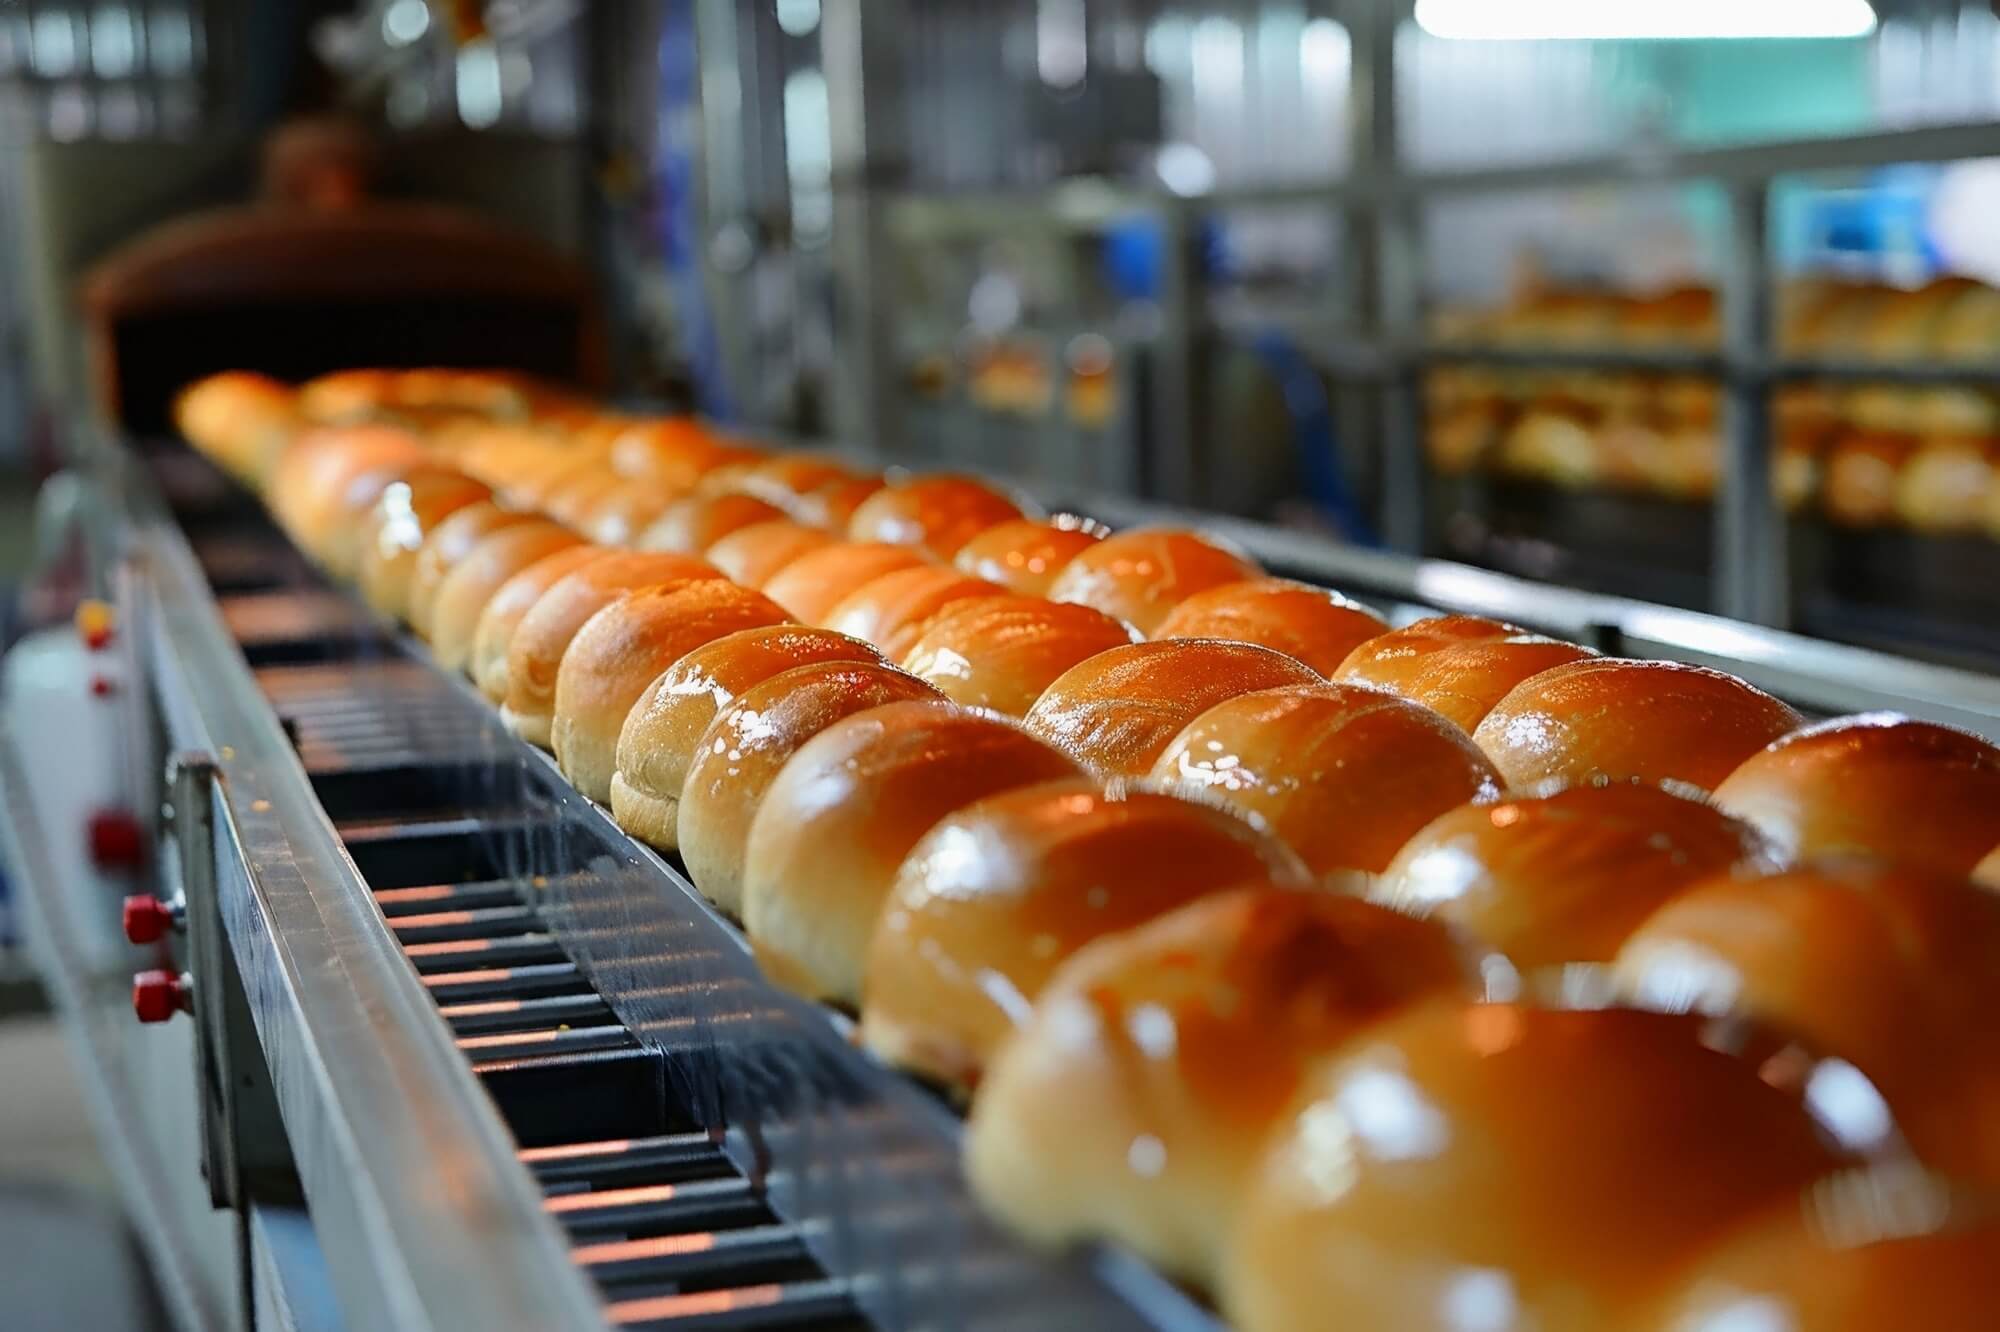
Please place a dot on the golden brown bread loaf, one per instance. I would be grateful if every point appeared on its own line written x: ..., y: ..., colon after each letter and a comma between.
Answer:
x: 1943, y: 487
x: 1131, y: 1104
x: 1318, y: 626
x: 535, y: 650
x: 692, y: 524
x: 1465, y: 681
x: 617, y: 515
x: 625, y: 647
x: 1118, y: 710
x: 580, y: 489
x: 1860, y: 1251
x: 1565, y: 877
x: 1862, y: 470
x: 993, y: 898
x: 1491, y: 1165
x: 810, y: 586
x: 1343, y: 774
x: 329, y: 477
x: 243, y: 421
x: 448, y: 543
x: 1004, y: 652
x: 533, y: 486
x: 1139, y: 576
x: 408, y: 512
x: 937, y: 513
x: 835, y: 825
x: 1025, y: 555
x: 1620, y: 718
x: 786, y: 481
x: 673, y: 453
x: 449, y: 617
x: 893, y: 610
x: 832, y: 506
x: 658, y: 740
x: 751, y: 555
x: 1892, y: 969
x: 494, y: 633
x: 1390, y: 660
x: 750, y: 739
x: 1879, y: 785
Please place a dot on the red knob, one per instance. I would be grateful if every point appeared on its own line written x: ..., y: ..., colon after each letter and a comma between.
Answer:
x: 117, y: 841
x: 147, y: 918
x: 158, y: 995
x: 102, y: 686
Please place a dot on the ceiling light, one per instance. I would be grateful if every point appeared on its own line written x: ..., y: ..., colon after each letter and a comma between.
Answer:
x: 1531, y: 20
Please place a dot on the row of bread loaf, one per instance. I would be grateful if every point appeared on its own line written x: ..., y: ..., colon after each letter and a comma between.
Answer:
x: 1936, y: 483
x: 1867, y: 455
x: 1949, y: 319
x: 1109, y: 921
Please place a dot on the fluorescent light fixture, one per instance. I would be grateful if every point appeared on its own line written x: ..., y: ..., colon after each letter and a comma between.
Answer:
x: 1533, y: 20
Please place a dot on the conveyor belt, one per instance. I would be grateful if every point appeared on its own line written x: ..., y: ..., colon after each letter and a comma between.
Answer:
x: 715, y: 1152
x: 673, y: 1232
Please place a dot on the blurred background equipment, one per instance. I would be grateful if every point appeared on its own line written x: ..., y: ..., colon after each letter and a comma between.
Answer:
x: 1507, y: 284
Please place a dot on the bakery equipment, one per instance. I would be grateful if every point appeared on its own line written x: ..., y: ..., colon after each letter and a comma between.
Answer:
x: 465, y: 1054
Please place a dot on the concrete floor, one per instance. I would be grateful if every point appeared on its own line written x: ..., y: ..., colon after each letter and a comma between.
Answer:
x: 66, y: 1260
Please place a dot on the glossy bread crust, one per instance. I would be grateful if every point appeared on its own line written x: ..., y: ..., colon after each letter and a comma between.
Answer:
x: 1565, y: 877
x: 396, y: 526
x: 1118, y: 711
x: 444, y: 545
x: 1892, y: 969
x: 1140, y: 576
x: 621, y: 650
x: 1879, y: 785
x: 535, y: 651
x: 810, y: 586
x: 1004, y: 652
x: 501, y: 615
x: 752, y: 738
x: 1619, y: 718
x: 1343, y: 774
x: 937, y: 513
x: 1132, y: 1104
x: 835, y: 825
x: 751, y: 555
x: 449, y: 616
x: 1025, y: 555
x: 892, y: 610
x: 1317, y: 625
x: 1465, y: 681
x: 693, y: 523
x: 1861, y: 1253
x: 1388, y: 660
x: 993, y: 898
x: 665, y: 725
x: 1509, y: 1166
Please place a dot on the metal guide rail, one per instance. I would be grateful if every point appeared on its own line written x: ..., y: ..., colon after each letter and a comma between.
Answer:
x: 1811, y: 673
x: 708, y: 1151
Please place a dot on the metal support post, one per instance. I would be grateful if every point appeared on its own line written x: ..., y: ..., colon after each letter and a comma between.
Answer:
x: 868, y: 141
x: 1176, y: 470
x: 1385, y: 237
x: 727, y: 236
x: 1750, y: 574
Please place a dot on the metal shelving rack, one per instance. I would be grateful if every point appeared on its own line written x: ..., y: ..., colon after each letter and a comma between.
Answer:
x: 1373, y: 343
